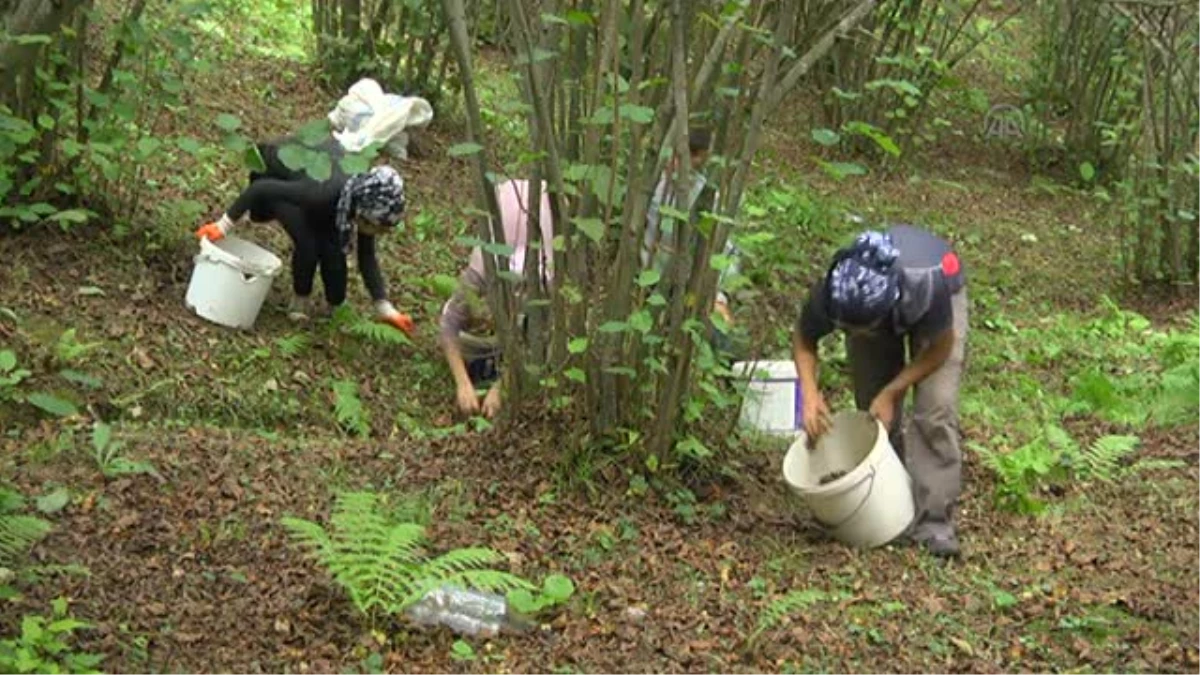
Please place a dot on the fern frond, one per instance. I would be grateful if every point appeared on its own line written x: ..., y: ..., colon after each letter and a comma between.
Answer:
x: 780, y: 608
x: 18, y: 534
x: 310, y: 535
x: 292, y: 345
x: 1101, y: 460
x: 383, y: 334
x: 1151, y: 465
x: 10, y: 500
x: 460, y: 560
x: 348, y: 409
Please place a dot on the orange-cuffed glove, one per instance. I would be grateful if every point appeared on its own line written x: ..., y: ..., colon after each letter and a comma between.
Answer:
x: 389, y: 314
x: 216, y: 230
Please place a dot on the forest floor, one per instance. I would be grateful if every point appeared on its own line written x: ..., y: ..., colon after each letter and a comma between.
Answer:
x: 190, y: 570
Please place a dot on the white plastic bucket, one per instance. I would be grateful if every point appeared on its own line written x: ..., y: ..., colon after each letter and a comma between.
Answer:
x: 230, y: 281
x: 773, y: 403
x: 870, y: 504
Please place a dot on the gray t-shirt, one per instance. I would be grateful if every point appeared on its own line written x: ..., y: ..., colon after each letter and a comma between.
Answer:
x: 930, y: 272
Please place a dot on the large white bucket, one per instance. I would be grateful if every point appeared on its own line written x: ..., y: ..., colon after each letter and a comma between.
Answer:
x: 871, y: 502
x: 230, y: 281
x: 773, y: 403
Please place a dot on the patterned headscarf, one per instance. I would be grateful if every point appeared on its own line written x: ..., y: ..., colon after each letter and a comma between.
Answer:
x: 377, y: 195
x: 862, y: 284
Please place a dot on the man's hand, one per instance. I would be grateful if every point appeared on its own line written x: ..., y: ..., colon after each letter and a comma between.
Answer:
x: 816, y: 416
x: 883, y: 407
x: 388, y: 313
x: 468, y: 401
x: 491, y: 402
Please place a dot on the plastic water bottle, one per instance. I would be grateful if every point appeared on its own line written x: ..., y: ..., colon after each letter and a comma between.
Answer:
x: 466, y: 612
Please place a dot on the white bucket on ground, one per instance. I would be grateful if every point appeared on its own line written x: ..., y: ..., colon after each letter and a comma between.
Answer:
x: 773, y: 403
x: 871, y: 503
x: 230, y: 281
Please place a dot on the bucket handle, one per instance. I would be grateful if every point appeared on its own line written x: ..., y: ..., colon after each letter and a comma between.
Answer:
x: 826, y: 526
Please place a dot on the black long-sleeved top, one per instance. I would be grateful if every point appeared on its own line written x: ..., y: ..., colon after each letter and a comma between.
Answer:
x: 307, y: 208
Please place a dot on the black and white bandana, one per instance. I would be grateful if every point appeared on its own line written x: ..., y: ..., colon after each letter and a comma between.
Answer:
x: 377, y: 195
x: 862, y: 284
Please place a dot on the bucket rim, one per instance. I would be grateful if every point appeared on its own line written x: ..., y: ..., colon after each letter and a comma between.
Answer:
x: 842, y: 484
x: 270, y: 266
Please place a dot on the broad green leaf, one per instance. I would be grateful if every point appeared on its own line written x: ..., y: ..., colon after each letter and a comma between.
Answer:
x: 649, y: 278
x: 148, y: 145
x: 840, y: 170
x: 613, y: 327
x: 1087, y: 171
x: 826, y: 137
x: 228, y: 122
x: 558, y: 587
x: 638, y: 114
x: 549, y: 18
x: 53, y: 502
x: 355, y: 164
x: 8, y: 360
x: 577, y: 17
x: 101, y: 435
x: 641, y: 321
x: 592, y: 228
x: 577, y: 345
x: 656, y: 300
x: 576, y: 375
x: 45, y: 121
x: 464, y: 149
x: 253, y: 159
x: 522, y: 601
x: 189, y: 145
x: 89, y: 381
x: 314, y: 133
x: 31, y: 39
x: 293, y: 156
x: 52, y: 404
x: 319, y: 166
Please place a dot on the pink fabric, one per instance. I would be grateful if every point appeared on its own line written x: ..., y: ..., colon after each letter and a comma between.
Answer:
x: 513, y: 196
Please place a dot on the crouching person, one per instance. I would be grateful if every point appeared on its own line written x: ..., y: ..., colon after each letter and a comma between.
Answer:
x: 467, y: 329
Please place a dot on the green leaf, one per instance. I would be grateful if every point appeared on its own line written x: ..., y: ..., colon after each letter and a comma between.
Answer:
x: 8, y: 360
x: 461, y: 651
x: 45, y: 121
x: 641, y: 321
x: 840, y: 170
x: 613, y: 327
x: 649, y: 278
x: 826, y: 137
x: 67, y: 625
x: 577, y: 346
x: 228, y: 122
x: 522, y: 600
x: 53, y: 502
x: 52, y: 404
x: 1087, y: 171
x: 558, y: 587
x: 89, y: 381
x: 592, y: 228
x: 464, y: 149
x: 293, y: 156
x: 253, y: 159
x: 148, y: 145
x: 189, y: 145
x: 575, y: 375
x: 356, y: 163
x: 59, y: 606
x: 31, y: 39
x: 656, y: 300
x: 319, y: 166
x: 70, y: 216
x: 314, y: 133
x: 638, y: 114
x: 101, y: 435
x: 577, y: 17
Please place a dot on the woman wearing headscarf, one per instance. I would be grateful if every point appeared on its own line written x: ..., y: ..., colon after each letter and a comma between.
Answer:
x: 888, y: 292
x: 325, y: 220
